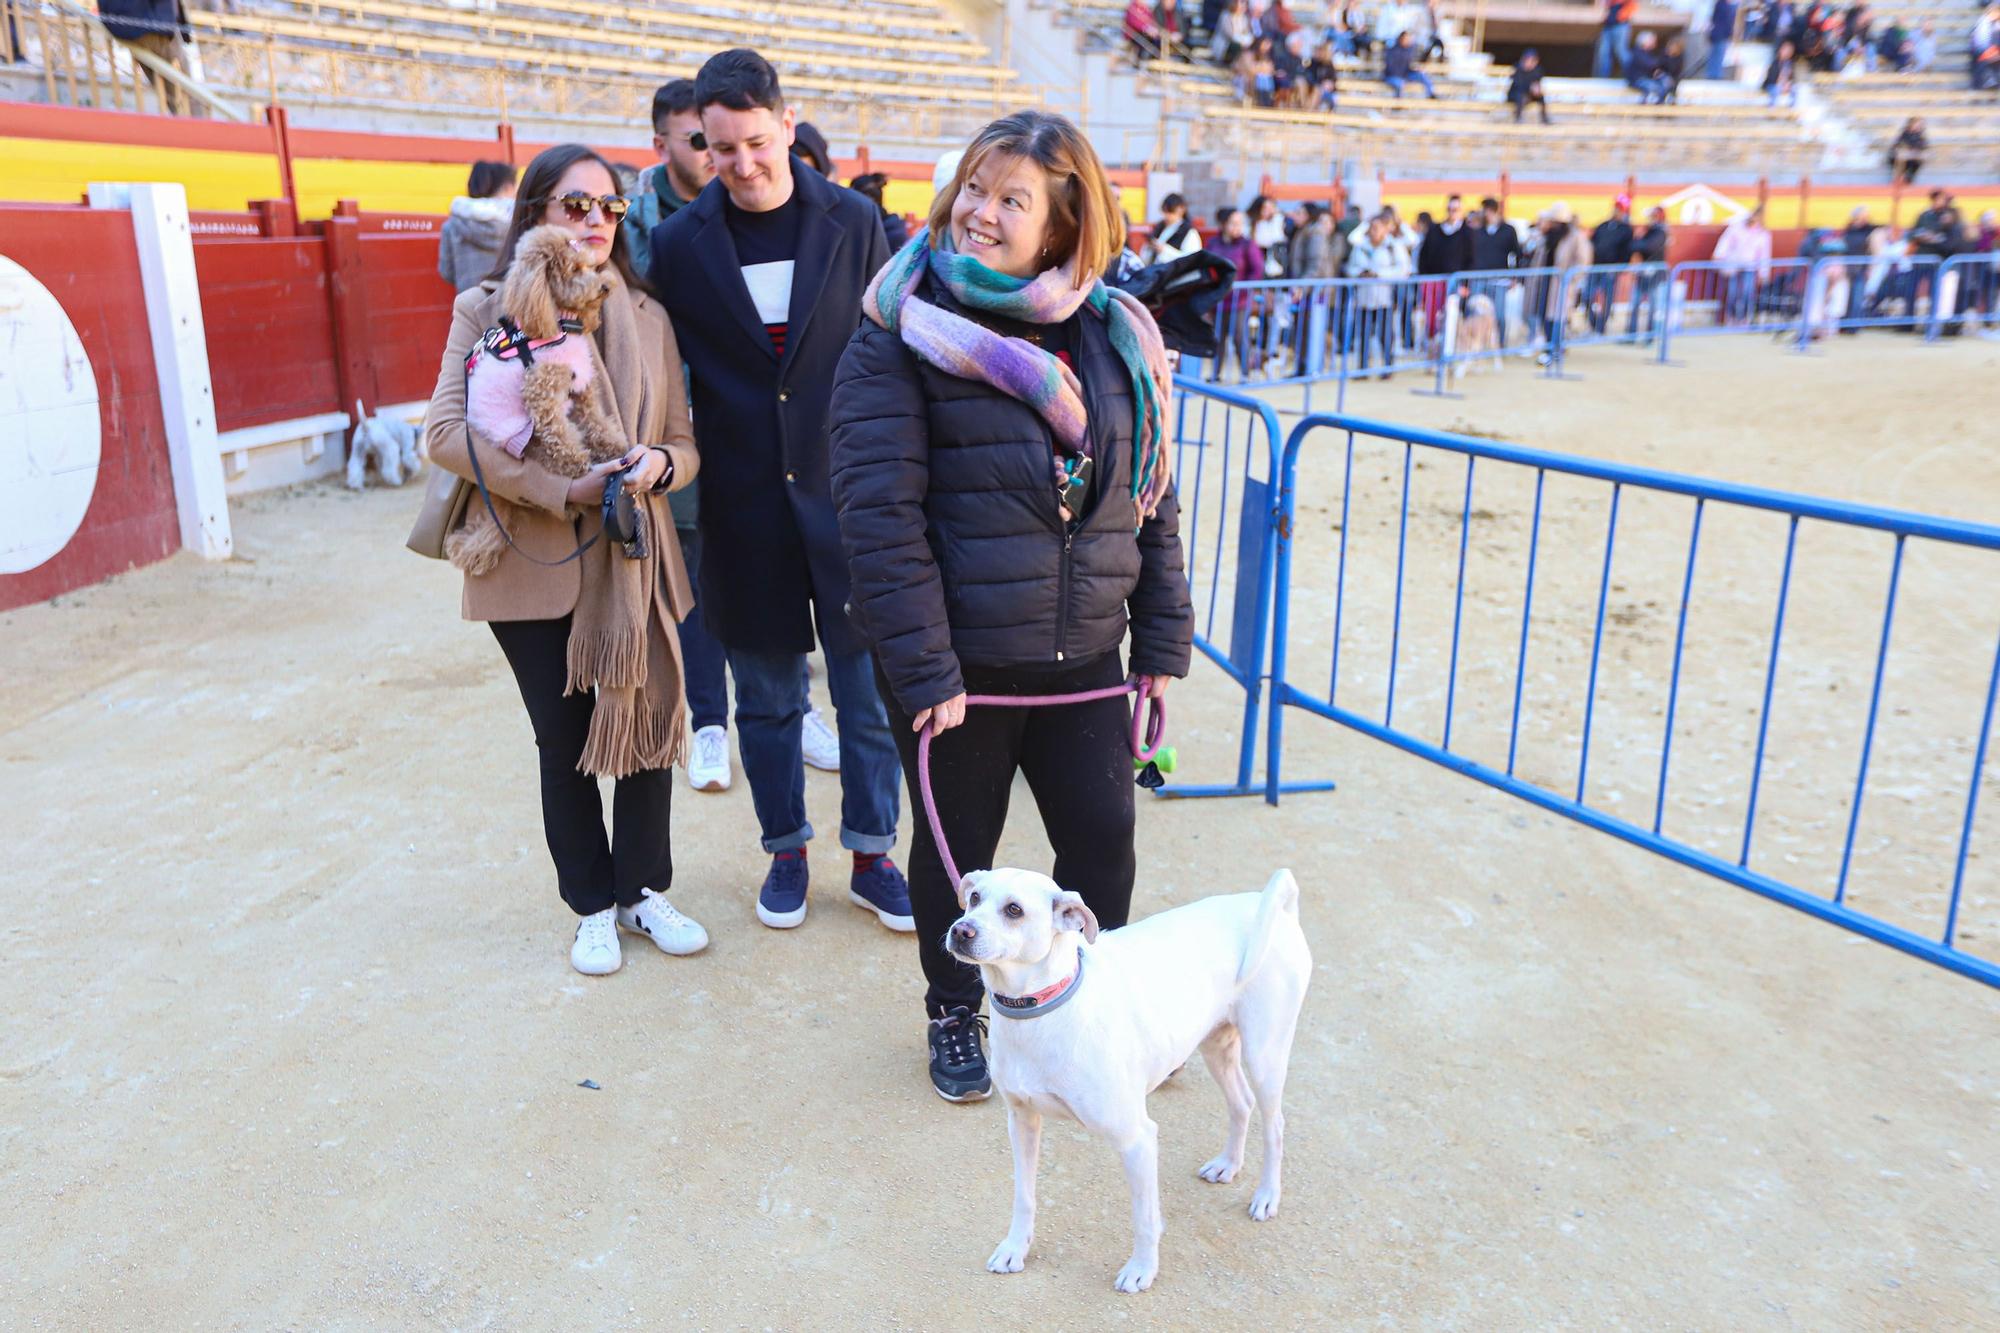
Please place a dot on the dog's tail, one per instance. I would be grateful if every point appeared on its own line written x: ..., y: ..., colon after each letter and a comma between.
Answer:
x: 1280, y: 895
x: 360, y: 415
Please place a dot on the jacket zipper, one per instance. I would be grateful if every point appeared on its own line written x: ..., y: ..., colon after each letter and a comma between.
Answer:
x: 1062, y: 588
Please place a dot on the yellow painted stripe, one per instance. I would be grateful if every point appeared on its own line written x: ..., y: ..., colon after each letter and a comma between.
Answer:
x: 379, y: 187
x: 59, y: 171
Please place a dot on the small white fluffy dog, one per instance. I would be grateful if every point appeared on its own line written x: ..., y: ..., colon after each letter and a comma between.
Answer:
x: 1478, y: 335
x: 391, y: 443
x: 1087, y: 1025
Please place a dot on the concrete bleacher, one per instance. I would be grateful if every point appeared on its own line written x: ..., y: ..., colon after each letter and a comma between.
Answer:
x: 1596, y: 123
x: 907, y: 65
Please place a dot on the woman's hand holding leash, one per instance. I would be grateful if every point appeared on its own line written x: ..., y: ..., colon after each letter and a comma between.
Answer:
x: 1150, y: 687
x: 587, y: 491
x: 946, y: 715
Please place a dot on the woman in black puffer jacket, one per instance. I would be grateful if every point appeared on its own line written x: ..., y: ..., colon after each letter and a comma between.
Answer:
x: 981, y: 563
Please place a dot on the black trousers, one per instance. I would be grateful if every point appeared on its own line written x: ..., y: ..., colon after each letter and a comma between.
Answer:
x: 1077, y: 759
x: 592, y: 872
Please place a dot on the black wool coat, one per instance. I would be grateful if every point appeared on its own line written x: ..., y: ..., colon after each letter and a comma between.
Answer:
x: 771, y: 560
x: 956, y: 546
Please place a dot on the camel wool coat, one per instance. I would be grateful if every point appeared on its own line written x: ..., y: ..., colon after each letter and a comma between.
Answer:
x: 540, y: 518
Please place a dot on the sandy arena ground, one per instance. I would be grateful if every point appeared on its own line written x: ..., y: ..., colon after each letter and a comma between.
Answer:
x: 308, y: 1054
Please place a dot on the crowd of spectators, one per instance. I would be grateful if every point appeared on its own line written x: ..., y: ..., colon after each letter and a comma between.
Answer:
x: 1403, y: 274
x: 1281, y: 55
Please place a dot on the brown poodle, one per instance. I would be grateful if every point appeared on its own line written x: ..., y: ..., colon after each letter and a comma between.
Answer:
x: 555, y: 401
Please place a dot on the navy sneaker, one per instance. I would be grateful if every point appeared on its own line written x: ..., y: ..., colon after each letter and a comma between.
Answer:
x: 958, y: 1058
x: 881, y: 889
x: 781, y: 903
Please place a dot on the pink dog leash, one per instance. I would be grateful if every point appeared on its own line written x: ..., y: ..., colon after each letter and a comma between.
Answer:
x: 1149, y: 725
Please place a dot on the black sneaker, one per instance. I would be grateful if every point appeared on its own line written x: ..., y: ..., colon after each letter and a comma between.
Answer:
x: 958, y: 1058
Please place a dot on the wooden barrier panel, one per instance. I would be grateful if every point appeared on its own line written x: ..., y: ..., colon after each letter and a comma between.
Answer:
x: 266, y: 310
x: 408, y: 313
x: 130, y: 518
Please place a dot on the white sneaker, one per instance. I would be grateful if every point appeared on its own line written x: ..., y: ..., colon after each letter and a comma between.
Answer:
x: 818, y: 739
x: 595, y: 953
x: 657, y: 919
x: 708, y: 762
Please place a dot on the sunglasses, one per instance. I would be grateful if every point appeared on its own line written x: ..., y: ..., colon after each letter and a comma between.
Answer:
x: 577, y: 205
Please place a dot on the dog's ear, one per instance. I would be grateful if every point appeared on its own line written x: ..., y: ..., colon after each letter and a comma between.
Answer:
x: 966, y: 884
x: 1073, y: 913
x: 526, y: 294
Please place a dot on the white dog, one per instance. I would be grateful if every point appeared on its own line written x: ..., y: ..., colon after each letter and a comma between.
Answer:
x: 1478, y: 335
x: 1086, y: 1026
x: 395, y: 446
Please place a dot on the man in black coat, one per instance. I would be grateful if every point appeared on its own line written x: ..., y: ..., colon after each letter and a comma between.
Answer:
x: 763, y: 274
x: 1649, y: 248
x: 1610, y: 243
x: 1496, y: 248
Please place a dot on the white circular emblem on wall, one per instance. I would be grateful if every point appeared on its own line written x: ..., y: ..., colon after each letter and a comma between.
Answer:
x: 49, y: 431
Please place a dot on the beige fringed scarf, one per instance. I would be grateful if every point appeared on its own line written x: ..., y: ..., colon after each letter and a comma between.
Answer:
x: 622, y: 640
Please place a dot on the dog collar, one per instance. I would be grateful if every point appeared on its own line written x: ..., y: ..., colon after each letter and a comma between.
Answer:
x: 1039, y: 1003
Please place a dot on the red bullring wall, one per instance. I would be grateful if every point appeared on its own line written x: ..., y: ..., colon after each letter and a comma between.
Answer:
x: 131, y: 519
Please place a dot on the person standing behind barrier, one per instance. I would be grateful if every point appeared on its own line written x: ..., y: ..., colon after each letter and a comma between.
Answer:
x: 1318, y: 252
x: 1244, y: 255
x: 763, y: 273
x: 561, y: 622
x: 1376, y: 255
x: 1564, y: 247
x: 469, y: 241
x: 1610, y: 245
x: 1446, y: 249
x: 1984, y: 276
x: 1496, y: 247
x: 1743, y: 255
x: 1000, y: 464
x: 1174, y: 235
x: 1649, y: 255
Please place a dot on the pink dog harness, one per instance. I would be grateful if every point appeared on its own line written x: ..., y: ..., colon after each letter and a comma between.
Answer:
x: 496, y: 366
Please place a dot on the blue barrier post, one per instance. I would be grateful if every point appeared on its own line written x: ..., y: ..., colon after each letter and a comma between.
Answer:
x: 1256, y: 516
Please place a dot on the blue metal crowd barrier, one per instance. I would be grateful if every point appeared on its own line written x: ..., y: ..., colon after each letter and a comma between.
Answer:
x: 1514, y: 299
x: 1968, y: 291
x: 1598, y: 290
x: 1226, y: 448
x: 1274, y: 332
x: 1542, y: 546
x: 1850, y: 292
x: 1706, y: 298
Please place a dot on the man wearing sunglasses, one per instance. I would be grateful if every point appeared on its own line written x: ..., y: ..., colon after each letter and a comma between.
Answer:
x: 666, y: 187
x: 762, y: 273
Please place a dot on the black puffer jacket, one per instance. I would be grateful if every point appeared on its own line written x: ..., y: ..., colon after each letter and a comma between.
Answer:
x: 955, y: 546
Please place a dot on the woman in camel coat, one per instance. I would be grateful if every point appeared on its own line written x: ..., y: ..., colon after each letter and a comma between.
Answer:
x: 590, y: 639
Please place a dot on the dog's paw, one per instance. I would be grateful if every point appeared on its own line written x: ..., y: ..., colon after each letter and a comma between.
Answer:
x: 1220, y: 1170
x: 1011, y: 1256
x: 1264, y: 1204
x: 1137, y: 1274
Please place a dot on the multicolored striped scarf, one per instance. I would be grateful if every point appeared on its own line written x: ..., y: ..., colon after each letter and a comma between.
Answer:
x: 1018, y: 368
